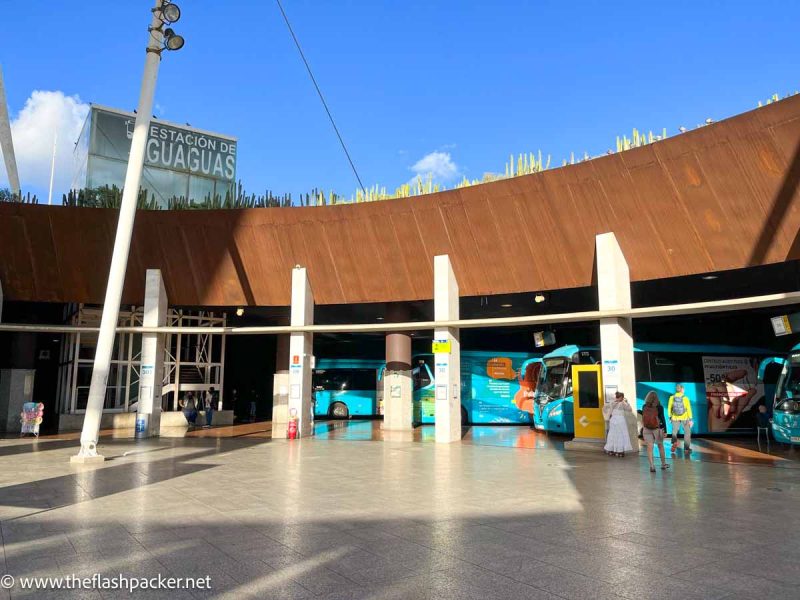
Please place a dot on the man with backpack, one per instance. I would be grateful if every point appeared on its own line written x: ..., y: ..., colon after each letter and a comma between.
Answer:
x: 679, y: 410
x: 653, y: 428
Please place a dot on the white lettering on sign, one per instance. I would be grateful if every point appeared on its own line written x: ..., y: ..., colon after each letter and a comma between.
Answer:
x: 169, y: 146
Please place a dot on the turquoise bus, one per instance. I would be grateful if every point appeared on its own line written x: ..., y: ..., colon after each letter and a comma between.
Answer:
x: 786, y: 409
x: 496, y: 387
x: 722, y: 383
x: 345, y: 388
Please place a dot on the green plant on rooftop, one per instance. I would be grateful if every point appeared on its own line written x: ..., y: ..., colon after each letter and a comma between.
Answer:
x: 776, y: 98
x: 638, y: 139
x: 106, y: 197
x: 7, y: 196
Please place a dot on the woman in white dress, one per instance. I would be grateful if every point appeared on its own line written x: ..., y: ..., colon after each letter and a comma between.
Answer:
x: 618, y: 441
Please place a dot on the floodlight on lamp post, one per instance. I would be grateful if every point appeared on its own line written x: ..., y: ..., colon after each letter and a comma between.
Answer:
x: 170, y: 13
x: 173, y: 41
x: 157, y: 41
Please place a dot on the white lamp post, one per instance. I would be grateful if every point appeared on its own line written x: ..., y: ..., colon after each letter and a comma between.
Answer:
x: 6, y: 143
x: 164, y: 12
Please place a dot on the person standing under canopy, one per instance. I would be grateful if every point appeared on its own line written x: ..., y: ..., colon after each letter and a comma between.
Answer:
x: 618, y: 441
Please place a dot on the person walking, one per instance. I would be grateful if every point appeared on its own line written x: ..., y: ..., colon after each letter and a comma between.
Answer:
x: 654, y: 426
x: 618, y: 441
x: 253, y: 405
x: 210, y: 405
x: 679, y: 410
x: 189, y: 409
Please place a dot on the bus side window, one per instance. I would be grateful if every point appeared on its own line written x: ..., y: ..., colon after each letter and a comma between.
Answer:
x: 363, y: 379
x: 641, y: 365
x: 415, y: 377
x: 676, y: 366
x: 424, y: 376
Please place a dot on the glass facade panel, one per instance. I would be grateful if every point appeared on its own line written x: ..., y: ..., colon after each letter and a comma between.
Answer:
x: 80, y: 157
x: 104, y: 171
x: 223, y: 187
x: 201, y: 188
x: 163, y: 185
x: 112, y: 135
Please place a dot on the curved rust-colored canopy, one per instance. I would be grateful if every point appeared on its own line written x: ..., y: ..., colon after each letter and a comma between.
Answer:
x: 724, y: 196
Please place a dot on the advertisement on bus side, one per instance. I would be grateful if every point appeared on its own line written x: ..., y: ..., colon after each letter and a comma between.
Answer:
x: 732, y: 390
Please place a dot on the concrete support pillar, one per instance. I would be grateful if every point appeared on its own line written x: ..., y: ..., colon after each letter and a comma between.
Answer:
x: 300, y: 354
x: 616, y: 337
x: 280, y: 388
x: 151, y: 376
x: 447, y: 364
x: 398, y: 410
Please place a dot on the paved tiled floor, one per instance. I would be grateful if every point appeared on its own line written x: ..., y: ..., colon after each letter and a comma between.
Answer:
x: 403, y: 518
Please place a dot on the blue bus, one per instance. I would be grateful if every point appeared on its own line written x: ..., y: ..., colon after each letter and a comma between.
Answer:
x: 496, y: 387
x: 722, y: 383
x: 786, y: 409
x: 345, y: 388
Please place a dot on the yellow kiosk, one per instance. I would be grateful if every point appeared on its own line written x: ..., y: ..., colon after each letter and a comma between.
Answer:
x: 587, y: 389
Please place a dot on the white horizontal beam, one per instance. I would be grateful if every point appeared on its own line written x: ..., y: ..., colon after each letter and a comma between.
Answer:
x: 693, y: 308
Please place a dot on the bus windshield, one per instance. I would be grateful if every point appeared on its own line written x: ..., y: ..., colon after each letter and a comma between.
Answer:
x: 787, y: 392
x: 554, y: 380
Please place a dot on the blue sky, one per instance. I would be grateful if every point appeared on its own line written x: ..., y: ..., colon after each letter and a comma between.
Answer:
x: 473, y: 80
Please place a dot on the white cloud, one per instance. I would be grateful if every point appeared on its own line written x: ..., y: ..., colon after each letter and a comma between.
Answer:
x: 33, y: 130
x: 438, y: 165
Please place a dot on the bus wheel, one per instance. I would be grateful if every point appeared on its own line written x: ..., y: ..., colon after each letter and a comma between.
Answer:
x: 464, y: 417
x: 339, y: 410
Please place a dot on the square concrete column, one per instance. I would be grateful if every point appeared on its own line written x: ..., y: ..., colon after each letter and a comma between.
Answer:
x: 151, y: 375
x: 300, y: 354
x: 280, y: 388
x: 398, y: 392
x: 447, y: 365
x: 616, y: 336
